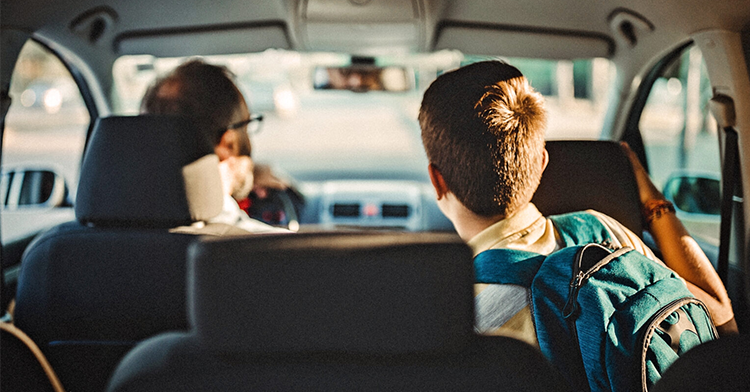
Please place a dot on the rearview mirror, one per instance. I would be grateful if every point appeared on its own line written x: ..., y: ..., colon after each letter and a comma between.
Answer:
x: 23, y: 188
x: 694, y: 193
x: 363, y: 78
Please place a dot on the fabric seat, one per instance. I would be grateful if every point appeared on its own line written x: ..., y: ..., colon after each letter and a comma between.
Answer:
x: 20, y: 368
x: 90, y: 289
x: 590, y: 174
x: 332, y: 312
x: 719, y: 365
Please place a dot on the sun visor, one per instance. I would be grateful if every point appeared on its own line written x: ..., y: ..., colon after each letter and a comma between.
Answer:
x: 514, y: 41
x: 188, y: 41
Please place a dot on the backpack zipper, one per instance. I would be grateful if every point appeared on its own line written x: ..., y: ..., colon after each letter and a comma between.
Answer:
x: 581, y: 277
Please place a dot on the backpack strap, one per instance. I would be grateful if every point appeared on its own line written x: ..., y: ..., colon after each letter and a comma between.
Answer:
x: 507, y: 266
x: 579, y: 228
x: 512, y: 266
x: 510, y: 273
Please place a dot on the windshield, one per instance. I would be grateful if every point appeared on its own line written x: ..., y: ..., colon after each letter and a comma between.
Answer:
x: 317, y: 134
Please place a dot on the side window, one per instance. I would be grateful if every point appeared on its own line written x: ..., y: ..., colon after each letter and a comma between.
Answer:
x: 682, y: 144
x: 43, y: 140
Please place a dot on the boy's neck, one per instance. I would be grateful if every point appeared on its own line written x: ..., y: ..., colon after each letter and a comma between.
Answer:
x: 467, y: 223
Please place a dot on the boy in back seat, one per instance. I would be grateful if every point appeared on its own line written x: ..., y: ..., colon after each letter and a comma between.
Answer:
x: 483, y: 131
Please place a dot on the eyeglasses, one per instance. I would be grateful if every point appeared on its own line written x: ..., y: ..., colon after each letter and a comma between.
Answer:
x: 253, y: 124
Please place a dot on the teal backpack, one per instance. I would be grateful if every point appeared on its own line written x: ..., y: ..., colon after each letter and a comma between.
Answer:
x: 609, y: 320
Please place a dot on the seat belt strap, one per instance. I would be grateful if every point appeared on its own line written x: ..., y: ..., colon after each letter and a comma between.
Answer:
x: 722, y: 108
x: 580, y: 228
x: 25, y: 339
x: 728, y: 176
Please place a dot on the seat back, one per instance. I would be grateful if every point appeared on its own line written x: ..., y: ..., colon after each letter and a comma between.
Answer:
x: 22, y: 366
x: 332, y: 312
x: 719, y: 365
x: 591, y: 174
x: 89, y: 290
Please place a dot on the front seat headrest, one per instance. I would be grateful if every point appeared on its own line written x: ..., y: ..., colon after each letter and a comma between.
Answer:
x: 378, y: 294
x: 148, y: 171
x: 590, y: 174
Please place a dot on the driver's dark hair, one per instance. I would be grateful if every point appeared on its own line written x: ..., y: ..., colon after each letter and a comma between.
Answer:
x: 483, y: 128
x: 204, y: 93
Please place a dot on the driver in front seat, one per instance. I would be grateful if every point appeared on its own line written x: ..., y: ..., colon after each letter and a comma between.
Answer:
x: 207, y: 95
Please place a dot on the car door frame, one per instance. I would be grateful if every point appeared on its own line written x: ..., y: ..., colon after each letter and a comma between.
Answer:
x: 13, y: 41
x: 738, y: 278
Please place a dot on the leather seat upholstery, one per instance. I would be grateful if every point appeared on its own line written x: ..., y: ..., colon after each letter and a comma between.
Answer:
x: 90, y: 289
x: 332, y: 312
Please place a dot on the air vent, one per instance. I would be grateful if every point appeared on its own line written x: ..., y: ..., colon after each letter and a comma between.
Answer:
x: 395, y: 211
x: 341, y: 210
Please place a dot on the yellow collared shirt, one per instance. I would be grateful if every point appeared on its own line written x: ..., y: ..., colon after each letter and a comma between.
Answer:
x: 504, y: 309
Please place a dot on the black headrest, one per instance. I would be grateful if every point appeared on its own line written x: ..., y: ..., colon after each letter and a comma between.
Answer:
x: 155, y: 171
x: 377, y: 293
x: 590, y: 175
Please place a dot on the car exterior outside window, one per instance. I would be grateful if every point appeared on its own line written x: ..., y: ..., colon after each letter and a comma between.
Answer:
x: 43, y: 141
x: 682, y: 146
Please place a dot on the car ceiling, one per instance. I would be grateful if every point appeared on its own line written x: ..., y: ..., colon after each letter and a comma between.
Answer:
x: 306, y: 22
x: 92, y: 34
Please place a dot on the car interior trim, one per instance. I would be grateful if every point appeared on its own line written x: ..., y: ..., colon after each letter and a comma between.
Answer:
x: 526, y: 41
x: 183, y: 41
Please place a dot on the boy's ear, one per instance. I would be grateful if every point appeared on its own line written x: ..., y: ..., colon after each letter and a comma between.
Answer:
x: 438, y: 182
x: 545, y: 160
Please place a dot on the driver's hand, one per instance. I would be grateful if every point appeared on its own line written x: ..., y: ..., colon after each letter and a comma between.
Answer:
x: 265, y: 180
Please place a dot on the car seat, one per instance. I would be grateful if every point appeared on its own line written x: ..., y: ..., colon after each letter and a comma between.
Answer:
x: 590, y: 174
x: 88, y: 290
x: 23, y: 367
x: 719, y: 365
x: 333, y: 312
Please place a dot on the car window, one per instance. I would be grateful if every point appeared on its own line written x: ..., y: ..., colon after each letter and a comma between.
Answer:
x: 682, y: 147
x: 43, y: 141
x: 576, y: 93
